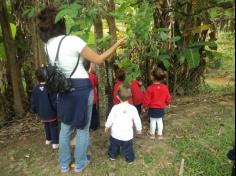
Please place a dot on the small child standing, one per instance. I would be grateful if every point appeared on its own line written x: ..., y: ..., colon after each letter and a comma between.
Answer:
x: 120, y: 77
x: 94, y: 81
x: 121, y: 120
x: 137, y: 93
x: 157, y: 97
x: 43, y: 104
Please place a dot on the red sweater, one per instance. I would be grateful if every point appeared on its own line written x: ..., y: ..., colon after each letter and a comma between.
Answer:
x: 157, y: 96
x: 137, y: 93
x: 94, y: 80
x: 115, y: 93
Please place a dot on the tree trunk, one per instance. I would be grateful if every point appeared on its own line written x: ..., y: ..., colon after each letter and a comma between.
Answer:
x: 110, y: 65
x: 98, y: 30
x: 10, y: 51
x: 37, y: 45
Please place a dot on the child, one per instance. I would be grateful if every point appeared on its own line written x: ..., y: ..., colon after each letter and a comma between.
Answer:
x: 137, y: 93
x: 43, y: 105
x: 156, y: 98
x: 121, y: 120
x: 231, y: 156
x: 120, y: 77
x: 94, y: 80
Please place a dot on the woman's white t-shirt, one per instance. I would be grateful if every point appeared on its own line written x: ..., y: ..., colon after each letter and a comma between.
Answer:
x: 71, y: 47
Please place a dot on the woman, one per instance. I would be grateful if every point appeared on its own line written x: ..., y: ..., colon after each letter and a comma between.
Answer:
x: 74, y: 108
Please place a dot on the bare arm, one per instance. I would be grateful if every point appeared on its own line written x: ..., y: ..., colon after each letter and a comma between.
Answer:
x: 92, y: 56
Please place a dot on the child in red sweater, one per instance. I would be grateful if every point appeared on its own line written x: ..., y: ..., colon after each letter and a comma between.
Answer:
x: 137, y: 93
x: 156, y: 98
x: 120, y: 77
x: 94, y: 81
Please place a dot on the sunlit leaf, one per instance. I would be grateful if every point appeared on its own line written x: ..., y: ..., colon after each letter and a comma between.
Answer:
x: 192, y: 56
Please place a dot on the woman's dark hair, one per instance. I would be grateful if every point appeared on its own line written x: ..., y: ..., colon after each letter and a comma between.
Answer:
x: 120, y: 74
x: 159, y: 74
x: 47, y: 26
x: 41, y: 74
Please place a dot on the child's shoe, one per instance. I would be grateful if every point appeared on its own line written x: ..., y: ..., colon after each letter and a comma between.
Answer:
x: 151, y: 136
x: 112, y: 159
x: 47, y: 142
x: 55, y: 146
x: 130, y: 163
x: 160, y: 137
x: 65, y: 169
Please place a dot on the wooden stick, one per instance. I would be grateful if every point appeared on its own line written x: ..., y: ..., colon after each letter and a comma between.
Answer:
x: 181, y: 170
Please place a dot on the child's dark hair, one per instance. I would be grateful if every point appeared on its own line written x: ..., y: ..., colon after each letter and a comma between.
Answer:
x: 158, y: 74
x: 47, y: 26
x: 120, y: 74
x: 124, y: 93
x: 41, y: 74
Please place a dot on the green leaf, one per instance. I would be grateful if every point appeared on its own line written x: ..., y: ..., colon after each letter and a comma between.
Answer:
x: 192, y: 56
x: 2, y: 52
x: 175, y: 38
x: 60, y: 15
x: 29, y: 12
x: 164, y: 36
x: 69, y: 23
x: 13, y: 29
x: 203, y: 43
x: 70, y: 10
x: 165, y: 60
x: 181, y: 57
x: 163, y: 29
x: 214, y: 13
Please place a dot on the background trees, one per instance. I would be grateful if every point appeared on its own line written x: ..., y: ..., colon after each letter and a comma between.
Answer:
x: 179, y: 35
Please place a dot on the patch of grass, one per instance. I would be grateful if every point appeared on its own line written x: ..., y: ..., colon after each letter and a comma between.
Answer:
x: 206, y: 143
x: 216, y: 89
x: 148, y: 159
x: 199, y: 129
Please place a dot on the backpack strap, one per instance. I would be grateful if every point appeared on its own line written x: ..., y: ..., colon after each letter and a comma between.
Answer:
x: 75, y: 66
x: 58, y: 49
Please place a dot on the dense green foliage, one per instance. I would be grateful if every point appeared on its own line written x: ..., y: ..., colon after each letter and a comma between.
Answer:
x: 180, y: 36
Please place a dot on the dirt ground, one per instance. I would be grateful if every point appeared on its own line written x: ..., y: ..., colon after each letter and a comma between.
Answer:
x: 23, y: 151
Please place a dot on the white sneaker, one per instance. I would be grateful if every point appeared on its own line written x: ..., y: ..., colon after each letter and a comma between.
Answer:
x: 47, y: 142
x: 55, y: 146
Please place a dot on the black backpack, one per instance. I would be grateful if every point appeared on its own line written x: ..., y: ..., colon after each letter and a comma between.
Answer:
x: 56, y: 82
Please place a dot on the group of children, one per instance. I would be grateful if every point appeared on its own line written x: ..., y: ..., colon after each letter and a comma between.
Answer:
x: 128, y: 103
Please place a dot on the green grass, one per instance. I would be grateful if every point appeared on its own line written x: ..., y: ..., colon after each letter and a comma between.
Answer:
x: 198, y: 129
x: 215, y: 89
x: 206, y: 143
